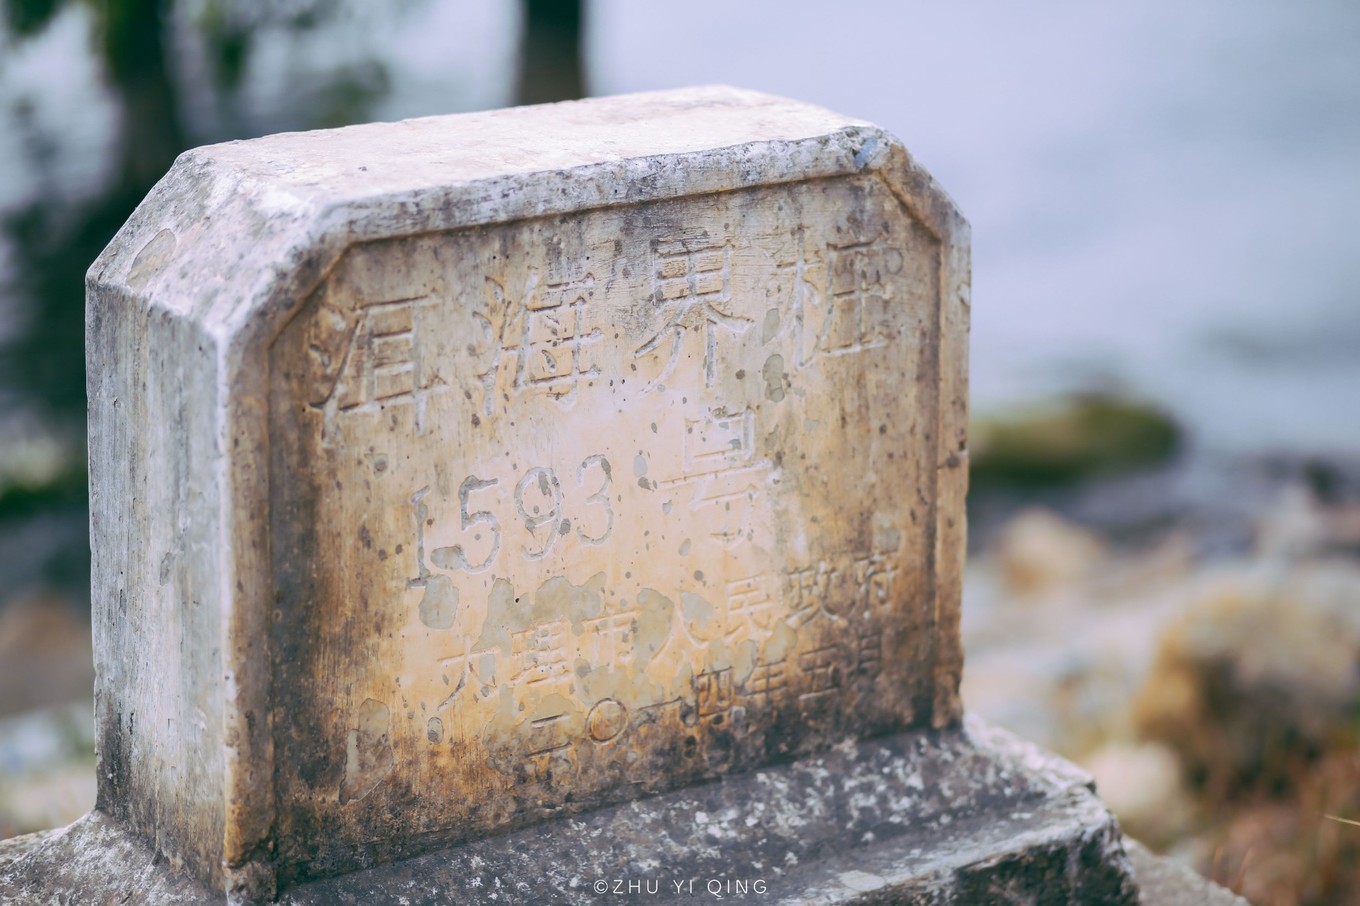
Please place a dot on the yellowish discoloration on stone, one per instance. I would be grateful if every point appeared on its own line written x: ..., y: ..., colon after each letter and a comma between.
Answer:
x: 560, y: 496
x: 368, y: 751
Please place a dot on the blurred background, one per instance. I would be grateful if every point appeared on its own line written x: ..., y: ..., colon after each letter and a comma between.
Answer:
x: 1164, y: 582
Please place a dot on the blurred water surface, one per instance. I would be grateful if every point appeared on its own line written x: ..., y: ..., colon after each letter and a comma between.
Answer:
x: 1161, y: 194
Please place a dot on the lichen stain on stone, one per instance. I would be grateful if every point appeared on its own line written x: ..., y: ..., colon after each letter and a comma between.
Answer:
x: 699, y: 614
x: 781, y: 643
x: 623, y: 683
x: 655, y: 618
x: 773, y: 373
x: 368, y: 751
x: 559, y: 599
x: 887, y: 537
x: 769, y: 327
x: 439, y: 605
x: 152, y: 259
x: 556, y: 599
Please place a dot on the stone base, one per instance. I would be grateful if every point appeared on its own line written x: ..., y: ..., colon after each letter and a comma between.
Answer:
x: 970, y: 816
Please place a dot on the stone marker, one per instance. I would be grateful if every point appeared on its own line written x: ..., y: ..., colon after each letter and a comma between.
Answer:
x: 458, y: 476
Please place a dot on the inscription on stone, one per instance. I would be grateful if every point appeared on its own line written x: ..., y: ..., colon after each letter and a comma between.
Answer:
x: 579, y: 508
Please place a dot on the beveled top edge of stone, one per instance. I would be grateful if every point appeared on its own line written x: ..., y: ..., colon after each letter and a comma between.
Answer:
x: 235, y: 234
x: 435, y: 151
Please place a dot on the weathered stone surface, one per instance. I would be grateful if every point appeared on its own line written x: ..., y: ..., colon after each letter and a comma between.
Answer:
x: 12, y: 849
x: 1166, y: 882
x: 955, y: 816
x: 923, y: 817
x: 582, y: 490
x: 458, y: 474
x: 919, y: 817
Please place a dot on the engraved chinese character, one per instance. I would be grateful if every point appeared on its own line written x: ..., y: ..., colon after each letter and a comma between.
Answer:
x: 539, y: 653
x: 717, y: 453
x: 807, y: 588
x: 606, y: 720
x: 856, y: 315
x: 731, y: 496
x: 542, y: 336
x: 869, y: 651
x: 610, y: 639
x: 550, y: 749
x: 474, y: 671
x: 653, y: 714
x: 378, y: 364
x: 767, y: 681
x: 693, y: 282
x: 821, y: 671
x: 720, y: 441
x: 548, y: 734
x: 874, y: 579
x: 749, y: 607
x: 551, y: 350
x: 713, y: 692
x: 806, y: 295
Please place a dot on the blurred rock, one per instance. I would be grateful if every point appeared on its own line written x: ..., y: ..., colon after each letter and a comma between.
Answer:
x: 45, y: 653
x: 37, y: 739
x: 1061, y: 628
x: 51, y: 798
x: 1300, y: 525
x: 1213, y: 689
x: 1039, y: 551
x: 1296, y: 526
x: 1142, y: 783
x: 46, y: 768
x: 34, y: 453
x: 1063, y: 664
x: 1259, y: 676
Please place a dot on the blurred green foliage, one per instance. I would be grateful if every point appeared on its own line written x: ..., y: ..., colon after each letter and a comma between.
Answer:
x: 54, y: 238
x: 178, y: 74
x: 1079, y: 437
x: 68, y: 488
x: 551, y: 65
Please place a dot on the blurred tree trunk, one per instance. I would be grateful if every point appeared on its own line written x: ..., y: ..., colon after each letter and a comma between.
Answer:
x: 551, y: 64
x: 56, y: 239
x: 133, y: 35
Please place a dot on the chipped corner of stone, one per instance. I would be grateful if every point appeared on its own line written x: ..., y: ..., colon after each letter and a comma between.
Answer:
x: 190, y: 237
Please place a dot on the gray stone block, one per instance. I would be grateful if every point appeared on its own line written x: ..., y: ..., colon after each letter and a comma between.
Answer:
x: 955, y: 816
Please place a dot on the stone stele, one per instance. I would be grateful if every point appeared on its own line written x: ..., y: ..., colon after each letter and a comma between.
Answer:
x: 455, y: 477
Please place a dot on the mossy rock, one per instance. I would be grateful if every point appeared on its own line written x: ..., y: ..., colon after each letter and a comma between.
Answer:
x: 1069, y: 441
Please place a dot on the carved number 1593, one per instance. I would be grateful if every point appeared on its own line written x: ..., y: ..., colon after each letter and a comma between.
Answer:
x: 539, y: 506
